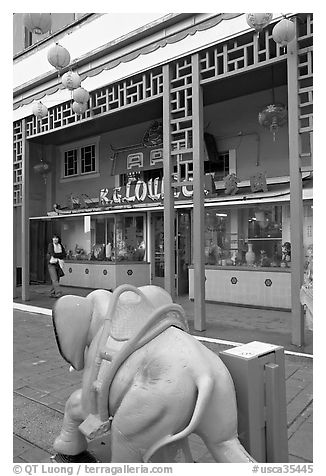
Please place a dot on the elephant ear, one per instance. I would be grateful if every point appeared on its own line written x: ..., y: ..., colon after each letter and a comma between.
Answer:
x: 71, y: 317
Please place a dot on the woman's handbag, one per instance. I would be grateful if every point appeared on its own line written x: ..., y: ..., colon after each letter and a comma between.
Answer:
x: 60, y: 271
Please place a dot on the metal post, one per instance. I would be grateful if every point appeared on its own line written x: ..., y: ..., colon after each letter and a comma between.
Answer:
x: 296, y: 204
x: 25, y: 215
x: 169, y: 235
x: 14, y: 258
x: 276, y: 421
x: 257, y: 370
x: 198, y: 199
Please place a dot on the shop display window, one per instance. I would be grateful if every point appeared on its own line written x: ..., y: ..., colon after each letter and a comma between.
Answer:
x: 106, y: 238
x: 130, y: 234
x: 248, y: 236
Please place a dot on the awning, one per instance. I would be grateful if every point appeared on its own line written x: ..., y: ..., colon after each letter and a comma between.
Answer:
x: 277, y: 193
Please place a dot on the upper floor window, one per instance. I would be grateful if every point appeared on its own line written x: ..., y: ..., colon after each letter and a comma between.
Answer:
x: 80, y: 159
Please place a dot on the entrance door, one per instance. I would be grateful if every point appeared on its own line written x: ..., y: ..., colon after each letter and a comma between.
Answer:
x: 182, y: 250
x: 40, y: 236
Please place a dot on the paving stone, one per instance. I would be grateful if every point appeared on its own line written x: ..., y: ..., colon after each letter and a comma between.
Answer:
x: 18, y: 459
x: 34, y: 455
x: 293, y: 389
x: 299, y: 404
x: 20, y: 446
x: 296, y: 459
x: 301, y: 443
x: 305, y: 416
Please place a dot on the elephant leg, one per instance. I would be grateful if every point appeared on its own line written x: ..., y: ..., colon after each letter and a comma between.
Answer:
x: 71, y: 441
x: 122, y: 450
x: 177, y: 452
x: 230, y: 451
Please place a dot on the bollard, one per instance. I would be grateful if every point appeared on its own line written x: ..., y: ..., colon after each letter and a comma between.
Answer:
x: 258, y: 373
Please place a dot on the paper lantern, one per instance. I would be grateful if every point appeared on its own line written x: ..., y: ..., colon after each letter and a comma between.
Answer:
x: 80, y: 95
x: 38, y: 23
x: 284, y: 32
x: 41, y: 168
x: 79, y: 108
x: 71, y: 80
x: 58, y: 56
x: 258, y: 21
x: 273, y: 117
x: 39, y: 110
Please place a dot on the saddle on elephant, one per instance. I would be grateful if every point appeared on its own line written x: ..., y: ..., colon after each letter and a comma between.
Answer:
x: 132, y: 321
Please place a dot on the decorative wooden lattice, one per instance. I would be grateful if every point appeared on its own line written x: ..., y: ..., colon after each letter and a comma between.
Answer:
x: 244, y: 52
x: 18, y: 161
x: 305, y: 83
x: 181, y: 116
x: 126, y: 93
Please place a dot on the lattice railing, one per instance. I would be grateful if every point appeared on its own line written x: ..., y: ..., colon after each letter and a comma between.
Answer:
x: 126, y: 93
x: 18, y: 161
x: 305, y: 83
x: 245, y: 52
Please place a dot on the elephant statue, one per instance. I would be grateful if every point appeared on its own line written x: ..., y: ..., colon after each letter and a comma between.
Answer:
x: 145, y: 379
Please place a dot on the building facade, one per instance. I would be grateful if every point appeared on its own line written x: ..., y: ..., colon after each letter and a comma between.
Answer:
x: 168, y: 177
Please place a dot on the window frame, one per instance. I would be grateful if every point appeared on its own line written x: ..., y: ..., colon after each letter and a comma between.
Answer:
x: 79, y: 145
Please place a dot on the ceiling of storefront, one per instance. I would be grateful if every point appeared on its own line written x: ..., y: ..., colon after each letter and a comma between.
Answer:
x: 222, y: 90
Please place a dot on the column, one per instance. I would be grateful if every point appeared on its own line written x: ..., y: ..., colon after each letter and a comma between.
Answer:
x: 198, y: 198
x: 296, y: 204
x: 169, y: 235
x: 25, y: 217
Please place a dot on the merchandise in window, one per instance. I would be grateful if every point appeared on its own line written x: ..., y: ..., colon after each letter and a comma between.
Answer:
x: 245, y: 237
x: 130, y: 235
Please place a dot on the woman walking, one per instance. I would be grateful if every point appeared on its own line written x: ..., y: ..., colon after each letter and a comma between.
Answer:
x: 55, y: 255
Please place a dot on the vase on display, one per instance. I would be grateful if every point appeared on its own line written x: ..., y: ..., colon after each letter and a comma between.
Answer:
x: 250, y: 255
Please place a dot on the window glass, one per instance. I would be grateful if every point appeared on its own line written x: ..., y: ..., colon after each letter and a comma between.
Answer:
x: 231, y: 233
x: 102, y: 238
x: 80, y: 160
x: 88, y: 159
x: 130, y: 235
x: 70, y: 163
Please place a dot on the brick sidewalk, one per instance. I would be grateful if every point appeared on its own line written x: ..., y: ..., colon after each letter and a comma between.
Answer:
x: 226, y: 322
x: 42, y: 383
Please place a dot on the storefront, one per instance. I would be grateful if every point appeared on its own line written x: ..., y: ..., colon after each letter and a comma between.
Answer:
x: 247, y: 240
x: 119, y: 226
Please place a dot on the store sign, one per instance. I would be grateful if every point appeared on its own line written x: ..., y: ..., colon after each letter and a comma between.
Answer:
x: 141, y: 192
x: 135, y: 160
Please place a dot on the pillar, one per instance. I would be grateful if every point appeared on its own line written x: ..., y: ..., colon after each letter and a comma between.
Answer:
x: 198, y: 199
x: 296, y: 203
x: 169, y: 234
x: 25, y: 217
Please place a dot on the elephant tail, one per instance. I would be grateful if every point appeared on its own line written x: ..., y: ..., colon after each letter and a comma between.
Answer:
x: 205, y: 388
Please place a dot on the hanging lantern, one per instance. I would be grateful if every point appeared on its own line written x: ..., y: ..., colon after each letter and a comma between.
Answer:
x: 273, y: 117
x: 38, y: 23
x: 258, y: 21
x: 42, y: 168
x: 284, y: 32
x: 80, y: 95
x: 39, y: 110
x: 79, y: 108
x: 71, y: 80
x: 58, y: 56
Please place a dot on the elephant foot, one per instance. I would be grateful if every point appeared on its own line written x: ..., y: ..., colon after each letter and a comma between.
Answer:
x: 83, y: 457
